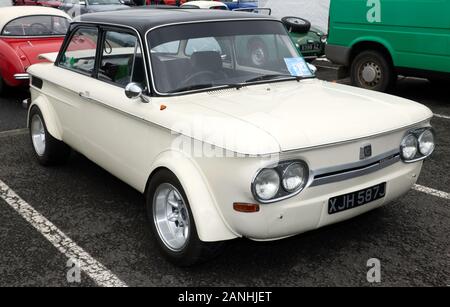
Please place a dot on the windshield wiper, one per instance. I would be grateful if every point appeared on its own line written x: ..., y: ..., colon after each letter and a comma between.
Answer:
x: 205, y: 86
x: 192, y: 87
x: 274, y: 76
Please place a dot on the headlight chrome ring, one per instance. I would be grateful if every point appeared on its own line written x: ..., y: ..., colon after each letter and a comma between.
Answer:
x: 281, y: 181
x: 417, y: 145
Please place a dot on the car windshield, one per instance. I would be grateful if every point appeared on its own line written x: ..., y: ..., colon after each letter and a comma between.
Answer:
x: 104, y: 2
x: 36, y: 26
x: 198, y: 56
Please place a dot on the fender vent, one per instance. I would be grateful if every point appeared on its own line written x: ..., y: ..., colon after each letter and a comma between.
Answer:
x: 36, y: 82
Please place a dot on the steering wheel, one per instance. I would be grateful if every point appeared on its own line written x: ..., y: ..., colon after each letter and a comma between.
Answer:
x: 200, y: 75
x: 39, y: 28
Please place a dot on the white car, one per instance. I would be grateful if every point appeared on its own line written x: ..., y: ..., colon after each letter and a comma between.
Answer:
x: 171, y: 103
x: 213, y: 5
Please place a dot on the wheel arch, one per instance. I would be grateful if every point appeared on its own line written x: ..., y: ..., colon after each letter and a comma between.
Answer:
x: 210, y: 223
x: 371, y: 43
x: 50, y: 118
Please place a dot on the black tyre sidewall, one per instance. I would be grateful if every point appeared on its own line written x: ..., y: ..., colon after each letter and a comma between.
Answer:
x: 193, y: 253
x: 297, y: 28
x: 56, y: 152
x: 388, y: 75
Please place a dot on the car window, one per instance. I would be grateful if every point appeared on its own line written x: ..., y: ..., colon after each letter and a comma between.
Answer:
x: 36, y: 26
x: 202, y: 44
x: 262, y: 51
x: 80, y: 52
x: 170, y: 48
x: 121, y: 61
x: 223, y: 54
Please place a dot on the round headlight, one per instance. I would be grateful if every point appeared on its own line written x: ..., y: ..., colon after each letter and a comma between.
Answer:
x: 426, y: 143
x: 267, y: 184
x: 409, y: 147
x: 323, y: 39
x: 295, y: 177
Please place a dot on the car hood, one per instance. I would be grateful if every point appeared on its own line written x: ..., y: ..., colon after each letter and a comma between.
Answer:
x: 302, y: 115
x: 32, y: 48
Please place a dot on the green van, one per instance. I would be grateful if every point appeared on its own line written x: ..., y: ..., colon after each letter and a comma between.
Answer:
x: 380, y: 39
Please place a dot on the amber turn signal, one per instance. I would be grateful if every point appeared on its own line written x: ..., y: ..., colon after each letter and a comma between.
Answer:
x: 247, y: 208
x: 162, y: 107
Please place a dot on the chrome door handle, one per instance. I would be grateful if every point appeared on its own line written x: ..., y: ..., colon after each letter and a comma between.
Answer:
x: 84, y: 95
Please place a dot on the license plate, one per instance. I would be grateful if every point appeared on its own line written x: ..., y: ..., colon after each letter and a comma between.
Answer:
x: 356, y: 199
x: 310, y: 47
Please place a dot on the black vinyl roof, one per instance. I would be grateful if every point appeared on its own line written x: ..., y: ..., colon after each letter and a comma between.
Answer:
x: 143, y: 19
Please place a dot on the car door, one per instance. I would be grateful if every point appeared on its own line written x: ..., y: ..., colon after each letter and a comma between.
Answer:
x: 116, y: 134
x: 74, y: 76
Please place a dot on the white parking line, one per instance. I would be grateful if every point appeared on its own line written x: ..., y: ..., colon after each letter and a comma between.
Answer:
x: 94, y: 269
x: 13, y: 132
x: 431, y: 191
x: 442, y: 116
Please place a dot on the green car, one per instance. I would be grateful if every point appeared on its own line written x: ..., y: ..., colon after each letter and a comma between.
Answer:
x: 381, y: 39
x: 309, y: 40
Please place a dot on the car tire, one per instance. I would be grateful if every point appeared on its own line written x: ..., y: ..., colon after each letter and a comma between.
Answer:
x: 186, y: 250
x: 296, y: 24
x: 371, y: 70
x: 259, y: 54
x: 47, y: 149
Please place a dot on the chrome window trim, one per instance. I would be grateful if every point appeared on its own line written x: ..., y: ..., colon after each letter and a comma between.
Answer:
x: 144, y: 57
x: 148, y: 46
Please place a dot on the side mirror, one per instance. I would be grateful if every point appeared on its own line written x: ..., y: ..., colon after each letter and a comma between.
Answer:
x: 312, y: 68
x: 134, y: 91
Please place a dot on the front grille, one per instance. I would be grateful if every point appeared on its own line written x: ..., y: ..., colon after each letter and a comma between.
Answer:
x: 353, y: 170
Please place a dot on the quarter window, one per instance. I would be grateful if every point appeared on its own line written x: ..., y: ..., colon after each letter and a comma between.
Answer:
x: 80, y: 52
x: 121, y: 60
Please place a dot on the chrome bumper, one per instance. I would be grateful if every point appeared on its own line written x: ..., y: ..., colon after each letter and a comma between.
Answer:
x: 22, y: 76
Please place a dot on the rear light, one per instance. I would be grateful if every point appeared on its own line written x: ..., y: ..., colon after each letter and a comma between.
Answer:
x: 246, y: 208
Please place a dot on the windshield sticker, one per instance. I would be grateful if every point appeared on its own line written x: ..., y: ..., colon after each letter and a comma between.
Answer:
x: 298, y: 67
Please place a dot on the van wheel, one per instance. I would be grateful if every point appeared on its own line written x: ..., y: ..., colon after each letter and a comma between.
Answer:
x: 371, y: 70
x: 173, y: 224
x: 47, y: 149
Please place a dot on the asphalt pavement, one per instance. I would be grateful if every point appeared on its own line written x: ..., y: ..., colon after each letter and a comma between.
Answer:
x: 106, y: 218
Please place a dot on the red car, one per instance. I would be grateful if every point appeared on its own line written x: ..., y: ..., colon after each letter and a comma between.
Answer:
x: 49, y: 3
x: 25, y: 33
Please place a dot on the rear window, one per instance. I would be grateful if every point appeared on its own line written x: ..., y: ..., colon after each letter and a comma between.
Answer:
x: 36, y: 26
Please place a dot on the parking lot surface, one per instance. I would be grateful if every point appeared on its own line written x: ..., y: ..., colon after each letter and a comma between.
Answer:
x: 106, y: 219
